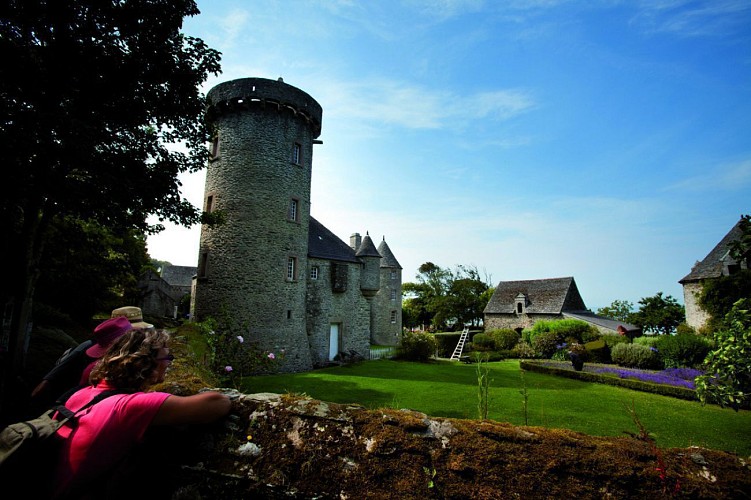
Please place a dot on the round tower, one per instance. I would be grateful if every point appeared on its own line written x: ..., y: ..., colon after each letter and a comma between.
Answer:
x: 387, y: 328
x: 251, y: 268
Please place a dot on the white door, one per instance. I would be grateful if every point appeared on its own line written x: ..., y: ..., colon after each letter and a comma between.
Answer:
x: 333, y: 341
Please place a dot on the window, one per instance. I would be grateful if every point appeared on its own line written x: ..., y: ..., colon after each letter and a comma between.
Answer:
x: 314, y: 272
x: 214, y: 151
x: 289, y: 313
x: 393, y: 295
x: 292, y: 212
x: 291, y: 269
x: 209, y: 203
x: 393, y: 316
x: 297, y: 154
x: 519, y: 308
x: 394, y: 274
x: 202, y: 263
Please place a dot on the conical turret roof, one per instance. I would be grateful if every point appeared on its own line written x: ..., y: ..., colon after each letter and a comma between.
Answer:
x: 387, y: 257
x: 367, y: 248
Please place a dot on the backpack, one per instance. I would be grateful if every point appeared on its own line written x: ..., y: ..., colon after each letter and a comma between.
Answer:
x: 29, y: 449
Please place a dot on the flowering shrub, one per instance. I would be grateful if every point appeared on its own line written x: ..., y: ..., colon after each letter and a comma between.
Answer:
x: 679, y: 377
x: 546, y: 344
x: 232, y: 357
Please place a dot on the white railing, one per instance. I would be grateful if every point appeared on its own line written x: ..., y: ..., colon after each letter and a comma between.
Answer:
x: 383, y: 352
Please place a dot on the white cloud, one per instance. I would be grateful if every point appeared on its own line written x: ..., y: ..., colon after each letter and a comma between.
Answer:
x: 726, y: 177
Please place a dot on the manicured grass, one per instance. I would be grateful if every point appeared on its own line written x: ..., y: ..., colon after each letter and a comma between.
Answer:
x: 446, y: 389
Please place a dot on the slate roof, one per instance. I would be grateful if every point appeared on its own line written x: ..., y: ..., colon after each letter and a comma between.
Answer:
x: 714, y: 262
x: 387, y: 258
x: 367, y: 248
x: 602, y: 321
x: 179, y: 275
x: 544, y: 296
x: 323, y: 244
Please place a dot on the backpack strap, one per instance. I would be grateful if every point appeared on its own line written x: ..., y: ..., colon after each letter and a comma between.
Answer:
x: 69, y: 415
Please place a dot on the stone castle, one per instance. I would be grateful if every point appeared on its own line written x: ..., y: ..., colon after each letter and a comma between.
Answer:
x: 284, y: 279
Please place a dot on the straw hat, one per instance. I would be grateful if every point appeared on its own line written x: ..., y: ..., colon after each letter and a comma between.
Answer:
x: 106, y: 333
x: 132, y: 314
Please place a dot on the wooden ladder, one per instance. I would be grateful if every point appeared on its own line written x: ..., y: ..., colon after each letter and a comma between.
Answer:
x: 460, y: 345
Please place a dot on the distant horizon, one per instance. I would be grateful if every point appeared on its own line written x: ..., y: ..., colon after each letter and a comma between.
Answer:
x: 607, y: 142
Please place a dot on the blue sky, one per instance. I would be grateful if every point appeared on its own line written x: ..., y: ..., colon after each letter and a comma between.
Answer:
x: 605, y: 140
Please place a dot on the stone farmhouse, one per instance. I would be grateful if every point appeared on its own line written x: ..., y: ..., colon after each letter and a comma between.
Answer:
x: 276, y: 273
x: 520, y: 304
x: 718, y: 262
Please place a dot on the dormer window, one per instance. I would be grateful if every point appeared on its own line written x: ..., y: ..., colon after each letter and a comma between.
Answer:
x: 521, y: 303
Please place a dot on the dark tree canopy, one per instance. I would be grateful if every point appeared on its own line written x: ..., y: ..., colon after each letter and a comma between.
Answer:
x: 659, y: 314
x: 100, y: 110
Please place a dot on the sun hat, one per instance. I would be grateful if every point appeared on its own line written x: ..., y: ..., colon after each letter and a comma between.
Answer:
x: 132, y: 314
x: 106, y: 333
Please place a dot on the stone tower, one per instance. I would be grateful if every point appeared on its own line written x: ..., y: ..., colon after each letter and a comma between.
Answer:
x: 387, y: 322
x: 253, y: 267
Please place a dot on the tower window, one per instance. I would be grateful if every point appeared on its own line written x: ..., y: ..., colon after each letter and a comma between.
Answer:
x: 297, y: 153
x: 393, y: 316
x: 209, y: 203
x: 293, y: 210
x: 202, y: 264
x: 314, y: 271
x: 394, y: 274
x: 291, y: 269
x: 214, y: 150
x: 393, y: 295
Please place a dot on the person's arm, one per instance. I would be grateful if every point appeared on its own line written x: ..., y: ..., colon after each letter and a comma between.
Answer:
x: 201, y: 408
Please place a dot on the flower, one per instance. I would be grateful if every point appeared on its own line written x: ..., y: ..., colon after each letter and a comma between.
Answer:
x: 228, y: 368
x: 271, y: 355
x: 240, y: 338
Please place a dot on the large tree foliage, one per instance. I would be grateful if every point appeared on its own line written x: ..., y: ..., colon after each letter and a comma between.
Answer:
x: 728, y: 368
x: 440, y: 296
x: 100, y: 110
x: 658, y: 314
x: 619, y: 310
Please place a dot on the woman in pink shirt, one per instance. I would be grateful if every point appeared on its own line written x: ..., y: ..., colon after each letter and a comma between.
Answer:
x: 107, y: 432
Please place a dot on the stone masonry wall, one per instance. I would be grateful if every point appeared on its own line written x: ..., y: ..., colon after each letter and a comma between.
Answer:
x: 349, y: 309
x: 252, y: 179
x: 696, y: 317
x: 384, y: 331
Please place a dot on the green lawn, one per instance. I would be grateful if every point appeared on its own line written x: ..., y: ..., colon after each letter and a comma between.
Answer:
x: 445, y: 389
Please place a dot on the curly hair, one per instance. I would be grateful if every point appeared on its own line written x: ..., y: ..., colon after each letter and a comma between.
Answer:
x: 130, y: 362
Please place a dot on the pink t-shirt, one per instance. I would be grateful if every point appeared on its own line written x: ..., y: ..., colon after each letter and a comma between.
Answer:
x: 105, y: 433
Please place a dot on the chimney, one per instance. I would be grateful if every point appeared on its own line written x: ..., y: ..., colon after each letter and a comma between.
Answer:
x: 354, y: 241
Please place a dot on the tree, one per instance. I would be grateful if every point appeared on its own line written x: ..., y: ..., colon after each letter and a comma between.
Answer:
x: 659, y: 314
x: 100, y: 112
x: 619, y: 310
x: 727, y: 379
x: 443, y: 296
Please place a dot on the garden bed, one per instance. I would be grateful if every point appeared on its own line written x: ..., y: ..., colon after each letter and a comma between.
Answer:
x: 666, y: 383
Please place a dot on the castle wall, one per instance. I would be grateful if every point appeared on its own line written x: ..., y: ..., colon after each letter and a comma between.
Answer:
x: 349, y: 309
x: 386, y: 332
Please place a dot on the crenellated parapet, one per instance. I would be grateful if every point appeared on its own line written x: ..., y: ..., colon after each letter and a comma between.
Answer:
x: 244, y: 93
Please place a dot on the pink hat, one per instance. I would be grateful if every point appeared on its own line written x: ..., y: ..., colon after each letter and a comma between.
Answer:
x: 106, y: 333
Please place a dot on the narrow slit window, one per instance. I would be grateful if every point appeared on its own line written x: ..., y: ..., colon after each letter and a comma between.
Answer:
x: 297, y: 153
x: 294, y: 210
x: 291, y: 269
